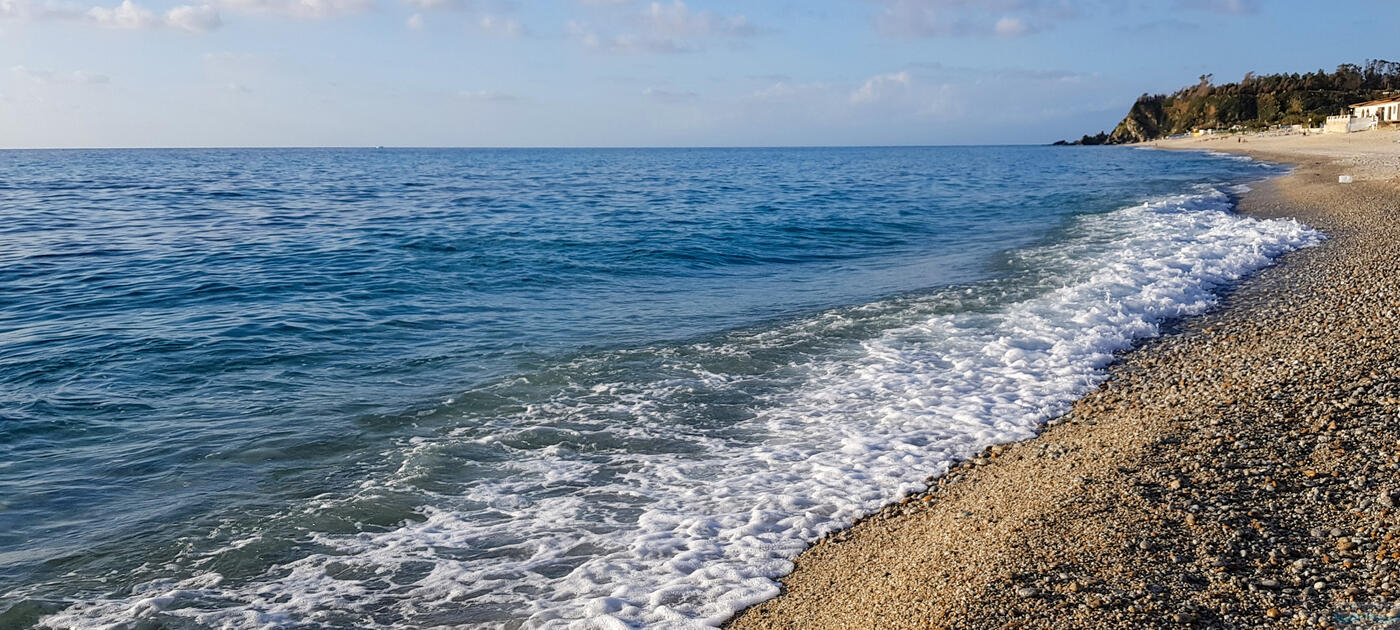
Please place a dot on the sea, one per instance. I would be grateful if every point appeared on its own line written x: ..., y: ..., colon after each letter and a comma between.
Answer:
x: 553, y: 388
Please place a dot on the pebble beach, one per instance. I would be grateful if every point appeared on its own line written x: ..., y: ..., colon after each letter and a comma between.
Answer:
x: 1241, y: 471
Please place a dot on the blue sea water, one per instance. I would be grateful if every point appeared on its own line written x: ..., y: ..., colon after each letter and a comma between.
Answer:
x: 542, y: 388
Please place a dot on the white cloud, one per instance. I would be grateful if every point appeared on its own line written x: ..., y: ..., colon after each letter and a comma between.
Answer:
x: 125, y: 15
x: 501, y: 26
x: 315, y: 9
x: 487, y: 96
x: 783, y: 89
x: 194, y: 18
x: 12, y: 9
x: 623, y: 44
x: 956, y: 18
x: 915, y: 18
x: 486, y: 16
x: 626, y: 44
x: 662, y: 28
x: 923, y: 93
x: 880, y: 87
x: 23, y: 10
x: 440, y: 4
x: 1011, y: 27
x: 1229, y: 7
x: 582, y: 33
x: 75, y: 77
x: 670, y: 97
x: 678, y: 21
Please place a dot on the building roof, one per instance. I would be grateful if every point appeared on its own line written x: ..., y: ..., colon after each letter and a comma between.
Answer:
x: 1380, y: 101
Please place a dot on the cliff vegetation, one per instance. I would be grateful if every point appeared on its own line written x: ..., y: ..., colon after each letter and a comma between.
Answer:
x: 1255, y: 102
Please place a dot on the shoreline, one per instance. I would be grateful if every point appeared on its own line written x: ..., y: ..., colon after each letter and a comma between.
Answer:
x: 1237, y: 471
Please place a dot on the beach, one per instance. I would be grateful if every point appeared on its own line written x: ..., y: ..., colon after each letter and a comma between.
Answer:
x: 1238, y: 471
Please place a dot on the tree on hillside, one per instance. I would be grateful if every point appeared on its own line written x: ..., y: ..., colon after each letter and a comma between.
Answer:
x: 1256, y: 101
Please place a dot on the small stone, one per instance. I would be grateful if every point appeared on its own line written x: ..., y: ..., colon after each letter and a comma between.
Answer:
x: 1027, y: 592
x: 1273, y: 613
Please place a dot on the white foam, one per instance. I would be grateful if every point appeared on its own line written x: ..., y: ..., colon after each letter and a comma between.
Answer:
x: 685, y: 538
x: 1231, y: 156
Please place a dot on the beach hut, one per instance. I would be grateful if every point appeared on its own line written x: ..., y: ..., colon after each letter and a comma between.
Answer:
x: 1384, y: 110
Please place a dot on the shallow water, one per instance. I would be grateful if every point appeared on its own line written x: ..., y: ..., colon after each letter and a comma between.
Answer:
x: 538, y: 388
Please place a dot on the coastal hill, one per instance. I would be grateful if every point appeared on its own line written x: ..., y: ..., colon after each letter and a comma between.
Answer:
x: 1255, y: 102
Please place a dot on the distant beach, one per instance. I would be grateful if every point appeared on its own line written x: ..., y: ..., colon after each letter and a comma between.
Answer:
x: 1240, y: 471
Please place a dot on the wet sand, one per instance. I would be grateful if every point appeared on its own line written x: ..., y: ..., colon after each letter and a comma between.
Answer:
x: 1241, y: 471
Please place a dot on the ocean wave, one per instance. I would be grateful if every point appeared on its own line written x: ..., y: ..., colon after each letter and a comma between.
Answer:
x: 606, y: 504
x: 1231, y: 156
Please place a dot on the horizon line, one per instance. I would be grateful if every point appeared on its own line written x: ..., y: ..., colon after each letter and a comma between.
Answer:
x: 520, y: 147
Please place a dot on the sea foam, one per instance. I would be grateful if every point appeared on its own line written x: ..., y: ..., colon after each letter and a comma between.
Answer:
x: 584, y: 528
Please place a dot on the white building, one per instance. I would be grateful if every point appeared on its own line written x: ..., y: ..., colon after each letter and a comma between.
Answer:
x: 1349, y: 124
x: 1385, y: 110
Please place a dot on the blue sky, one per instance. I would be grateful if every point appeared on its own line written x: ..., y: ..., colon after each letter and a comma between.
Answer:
x: 74, y: 73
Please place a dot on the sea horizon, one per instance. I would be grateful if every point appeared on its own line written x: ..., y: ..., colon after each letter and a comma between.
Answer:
x: 543, y: 148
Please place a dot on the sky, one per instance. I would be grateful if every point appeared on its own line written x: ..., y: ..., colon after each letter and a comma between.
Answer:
x: 179, y: 73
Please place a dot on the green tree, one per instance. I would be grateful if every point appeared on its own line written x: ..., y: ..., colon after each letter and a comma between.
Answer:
x: 1267, y: 104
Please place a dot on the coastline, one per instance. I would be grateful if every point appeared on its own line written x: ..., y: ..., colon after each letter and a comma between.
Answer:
x: 1238, y: 471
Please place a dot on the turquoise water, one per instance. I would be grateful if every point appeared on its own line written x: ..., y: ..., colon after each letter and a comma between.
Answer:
x: 506, y: 388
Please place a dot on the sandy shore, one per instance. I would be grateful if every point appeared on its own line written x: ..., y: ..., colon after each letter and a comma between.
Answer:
x: 1242, y: 471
